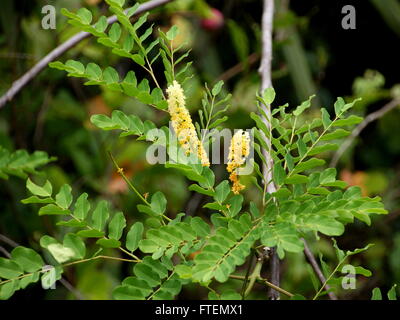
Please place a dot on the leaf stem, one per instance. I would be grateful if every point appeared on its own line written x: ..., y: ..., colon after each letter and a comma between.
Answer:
x: 70, y: 264
x: 121, y: 172
x: 330, y: 276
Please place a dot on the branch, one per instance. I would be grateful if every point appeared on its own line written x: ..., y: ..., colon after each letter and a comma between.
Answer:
x: 8, y: 241
x: 311, y: 259
x: 266, y: 82
x: 264, y: 281
x: 356, y: 132
x: 71, y: 42
x: 5, y: 252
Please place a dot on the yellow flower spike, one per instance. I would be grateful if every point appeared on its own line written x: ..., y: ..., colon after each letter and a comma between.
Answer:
x: 183, y: 125
x: 239, y: 150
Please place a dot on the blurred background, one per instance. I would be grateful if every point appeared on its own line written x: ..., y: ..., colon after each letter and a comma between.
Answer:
x: 312, y: 54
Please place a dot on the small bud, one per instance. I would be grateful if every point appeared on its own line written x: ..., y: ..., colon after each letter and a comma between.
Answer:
x: 214, y: 21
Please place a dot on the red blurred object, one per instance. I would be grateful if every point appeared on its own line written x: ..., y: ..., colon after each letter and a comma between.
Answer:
x: 215, y: 20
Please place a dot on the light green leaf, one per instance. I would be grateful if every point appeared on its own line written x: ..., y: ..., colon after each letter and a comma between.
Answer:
x: 307, y: 165
x: 64, y: 197
x: 117, y: 225
x: 85, y: 15
x: 9, y: 269
x: 75, y: 243
x: 304, y: 105
x: 363, y: 271
x: 35, y: 199
x: 217, y: 88
x: 100, y: 215
x: 91, y: 233
x: 158, y: 203
x: 108, y: 243
x: 327, y: 176
x: 268, y: 95
x: 392, y: 293
x: 115, y: 32
x: 222, y: 191
x: 82, y: 207
x: 172, y: 33
x: 324, y: 224
x: 28, y: 259
x: 52, y: 209
x: 326, y: 119
x: 279, y: 174
x: 94, y: 71
x: 134, y: 235
x: 376, y: 294
x: 296, y: 179
x: 44, y: 191
x: 337, y: 134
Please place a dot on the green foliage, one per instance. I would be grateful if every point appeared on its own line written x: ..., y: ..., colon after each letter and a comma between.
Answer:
x: 226, y: 249
x: 307, y: 200
x: 22, y: 269
x: 174, y: 252
x: 20, y: 163
x: 391, y: 295
x: 152, y: 280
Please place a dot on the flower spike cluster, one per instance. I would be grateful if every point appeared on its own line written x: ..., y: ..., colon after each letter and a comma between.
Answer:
x: 183, y: 125
x: 239, y: 150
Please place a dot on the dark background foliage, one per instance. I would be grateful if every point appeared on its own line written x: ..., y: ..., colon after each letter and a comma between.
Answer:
x: 52, y: 114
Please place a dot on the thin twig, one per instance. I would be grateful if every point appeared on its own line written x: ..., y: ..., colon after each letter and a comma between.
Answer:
x: 311, y: 259
x: 5, y: 252
x: 266, y: 82
x: 356, y: 132
x: 266, y: 282
x: 9, y: 241
x: 71, y: 289
x: 236, y: 69
x: 55, y: 53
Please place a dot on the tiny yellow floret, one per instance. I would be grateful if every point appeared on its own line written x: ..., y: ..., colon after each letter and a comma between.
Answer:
x: 238, y: 152
x: 183, y: 125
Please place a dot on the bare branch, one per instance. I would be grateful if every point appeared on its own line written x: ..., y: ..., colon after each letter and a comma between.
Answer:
x: 71, y: 42
x: 5, y: 252
x: 356, y: 132
x: 266, y: 82
x: 311, y: 259
x: 8, y: 241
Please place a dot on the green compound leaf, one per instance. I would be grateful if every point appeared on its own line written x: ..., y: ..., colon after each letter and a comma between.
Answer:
x: 225, y: 250
x: 153, y: 280
x: 284, y: 236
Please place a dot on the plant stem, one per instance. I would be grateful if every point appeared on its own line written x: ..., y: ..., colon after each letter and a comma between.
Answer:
x: 70, y: 264
x: 329, y: 278
x: 311, y: 259
x: 62, y: 48
x: 254, y: 276
x: 266, y: 82
x: 121, y: 172
x: 266, y: 282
